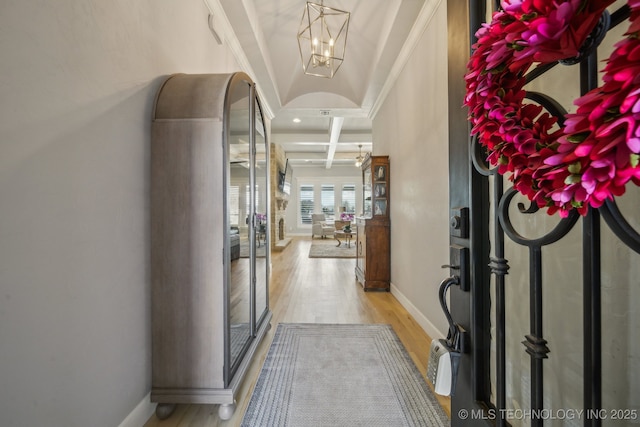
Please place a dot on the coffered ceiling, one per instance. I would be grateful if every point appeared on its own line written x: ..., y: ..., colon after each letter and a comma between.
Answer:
x: 262, y: 37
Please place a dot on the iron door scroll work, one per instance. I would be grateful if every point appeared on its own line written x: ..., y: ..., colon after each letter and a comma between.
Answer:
x: 552, y: 158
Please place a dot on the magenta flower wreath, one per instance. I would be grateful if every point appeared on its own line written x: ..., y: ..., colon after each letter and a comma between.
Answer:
x: 592, y: 157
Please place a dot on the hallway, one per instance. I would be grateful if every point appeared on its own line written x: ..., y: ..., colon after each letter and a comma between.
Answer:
x: 313, y: 290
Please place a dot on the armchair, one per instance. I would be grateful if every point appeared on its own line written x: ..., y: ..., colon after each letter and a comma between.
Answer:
x: 320, y: 227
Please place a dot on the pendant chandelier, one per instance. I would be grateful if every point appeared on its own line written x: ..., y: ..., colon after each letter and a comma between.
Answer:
x: 322, y: 39
x: 359, y: 159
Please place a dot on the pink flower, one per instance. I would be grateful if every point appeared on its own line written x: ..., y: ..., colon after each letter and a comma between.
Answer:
x: 597, y: 152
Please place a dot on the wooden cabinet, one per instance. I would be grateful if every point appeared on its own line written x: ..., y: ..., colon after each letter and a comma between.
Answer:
x: 373, y: 228
x: 209, y: 279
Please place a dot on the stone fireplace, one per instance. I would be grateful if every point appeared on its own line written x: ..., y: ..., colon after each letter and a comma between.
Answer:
x: 281, y: 232
x: 279, y: 222
x: 279, y: 200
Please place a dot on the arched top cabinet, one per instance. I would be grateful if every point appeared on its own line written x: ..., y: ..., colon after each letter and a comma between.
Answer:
x: 209, y: 238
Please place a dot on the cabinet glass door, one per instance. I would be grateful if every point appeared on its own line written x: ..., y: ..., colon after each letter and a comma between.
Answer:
x: 262, y: 207
x: 239, y: 224
x: 366, y: 190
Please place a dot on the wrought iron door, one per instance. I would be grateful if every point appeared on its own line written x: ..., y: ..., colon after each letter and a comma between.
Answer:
x: 550, y: 309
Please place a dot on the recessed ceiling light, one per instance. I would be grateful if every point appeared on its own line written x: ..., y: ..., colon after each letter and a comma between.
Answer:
x: 296, y: 120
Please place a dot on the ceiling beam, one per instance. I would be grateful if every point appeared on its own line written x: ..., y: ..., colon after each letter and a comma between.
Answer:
x: 334, y: 131
x: 351, y: 155
x: 320, y: 138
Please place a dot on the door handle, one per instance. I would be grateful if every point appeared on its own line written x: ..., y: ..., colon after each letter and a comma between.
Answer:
x: 445, y: 354
x: 457, y: 335
x: 459, y: 267
x: 453, y: 335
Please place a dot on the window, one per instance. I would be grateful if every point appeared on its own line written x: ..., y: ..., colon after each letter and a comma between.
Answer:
x: 349, y: 198
x: 328, y: 200
x: 306, y: 203
x: 248, y: 197
x: 234, y: 204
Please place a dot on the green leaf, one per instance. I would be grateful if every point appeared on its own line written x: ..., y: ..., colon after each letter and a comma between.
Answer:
x: 612, y: 114
x: 575, y: 168
x: 634, y: 159
x: 554, y: 146
x: 499, y: 69
x: 572, y: 179
x: 578, y: 137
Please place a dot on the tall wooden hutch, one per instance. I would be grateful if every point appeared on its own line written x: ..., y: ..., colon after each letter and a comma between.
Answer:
x: 373, y: 227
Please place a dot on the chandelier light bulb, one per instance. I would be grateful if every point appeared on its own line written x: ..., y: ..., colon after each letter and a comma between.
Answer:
x: 359, y: 159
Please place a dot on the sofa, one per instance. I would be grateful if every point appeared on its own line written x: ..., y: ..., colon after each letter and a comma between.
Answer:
x: 234, y: 242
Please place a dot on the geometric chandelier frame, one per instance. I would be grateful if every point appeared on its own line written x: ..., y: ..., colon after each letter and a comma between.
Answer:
x: 322, y: 39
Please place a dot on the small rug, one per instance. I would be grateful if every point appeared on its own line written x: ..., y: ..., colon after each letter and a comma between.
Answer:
x: 244, y: 249
x: 319, y: 375
x: 326, y: 248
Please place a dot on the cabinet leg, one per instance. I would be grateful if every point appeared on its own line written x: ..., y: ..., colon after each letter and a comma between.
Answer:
x: 164, y: 410
x: 226, y: 410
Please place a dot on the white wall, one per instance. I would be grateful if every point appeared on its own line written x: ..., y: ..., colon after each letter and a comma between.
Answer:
x: 411, y: 127
x: 77, y: 88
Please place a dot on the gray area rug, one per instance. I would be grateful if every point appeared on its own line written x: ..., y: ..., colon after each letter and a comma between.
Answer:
x: 319, y: 375
x: 244, y: 249
x: 326, y: 248
x: 240, y: 335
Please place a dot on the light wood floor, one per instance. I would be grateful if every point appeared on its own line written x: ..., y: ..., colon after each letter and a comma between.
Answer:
x: 313, y: 290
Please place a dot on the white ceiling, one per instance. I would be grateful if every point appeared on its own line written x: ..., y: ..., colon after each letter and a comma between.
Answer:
x: 262, y: 37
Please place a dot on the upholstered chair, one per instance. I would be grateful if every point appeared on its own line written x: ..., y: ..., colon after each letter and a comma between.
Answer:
x: 319, y: 226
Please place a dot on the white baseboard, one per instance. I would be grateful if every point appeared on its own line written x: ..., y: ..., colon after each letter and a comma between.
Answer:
x: 420, y: 318
x: 140, y: 414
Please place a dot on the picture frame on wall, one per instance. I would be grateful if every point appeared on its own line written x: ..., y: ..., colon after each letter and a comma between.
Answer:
x: 380, y: 190
x: 380, y: 207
